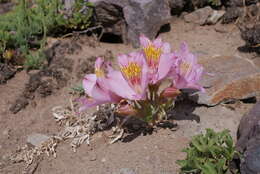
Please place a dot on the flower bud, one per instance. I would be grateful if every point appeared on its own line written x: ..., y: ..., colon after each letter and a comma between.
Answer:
x: 126, y: 110
x: 170, y: 92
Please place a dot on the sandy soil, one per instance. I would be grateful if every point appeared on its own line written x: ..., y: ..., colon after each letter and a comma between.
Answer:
x: 150, y: 154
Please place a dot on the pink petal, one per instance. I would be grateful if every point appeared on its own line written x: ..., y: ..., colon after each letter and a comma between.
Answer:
x: 165, y: 65
x: 120, y: 86
x: 88, y: 103
x: 100, y: 94
x: 99, y: 62
x: 145, y: 42
x: 89, y: 82
x: 166, y: 48
x: 122, y: 60
x: 158, y: 43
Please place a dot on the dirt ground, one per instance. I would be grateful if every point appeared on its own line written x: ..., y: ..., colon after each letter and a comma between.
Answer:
x: 150, y: 154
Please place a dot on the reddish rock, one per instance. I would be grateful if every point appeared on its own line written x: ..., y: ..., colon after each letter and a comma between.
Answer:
x: 232, y: 78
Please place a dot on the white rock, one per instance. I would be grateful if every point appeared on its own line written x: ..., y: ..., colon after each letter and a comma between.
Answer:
x: 37, y: 139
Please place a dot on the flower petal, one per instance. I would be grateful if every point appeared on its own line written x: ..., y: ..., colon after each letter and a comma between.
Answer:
x: 89, y: 82
x: 158, y: 43
x: 99, y: 62
x: 120, y: 86
x: 165, y: 65
x: 144, y: 41
x: 88, y: 103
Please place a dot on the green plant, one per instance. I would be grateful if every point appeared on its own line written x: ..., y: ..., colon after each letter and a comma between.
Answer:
x: 209, y: 154
x: 28, y: 25
x: 34, y: 59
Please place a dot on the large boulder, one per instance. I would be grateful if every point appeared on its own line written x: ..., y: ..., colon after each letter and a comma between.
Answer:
x: 231, y: 77
x: 134, y: 17
x: 248, y: 143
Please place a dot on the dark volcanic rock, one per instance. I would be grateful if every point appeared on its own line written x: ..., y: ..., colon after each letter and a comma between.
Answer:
x: 6, y: 72
x: 249, y: 141
x: 130, y: 18
x: 232, y: 14
x: 19, y: 104
x: 251, y: 35
x: 240, y: 3
x: 177, y: 6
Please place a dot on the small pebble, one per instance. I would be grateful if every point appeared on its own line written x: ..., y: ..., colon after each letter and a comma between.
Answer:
x: 6, y: 132
x: 103, y: 160
x: 93, y: 157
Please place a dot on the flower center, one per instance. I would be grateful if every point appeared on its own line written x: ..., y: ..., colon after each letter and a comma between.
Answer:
x: 99, y: 72
x: 132, y: 72
x: 185, y: 67
x: 152, y: 55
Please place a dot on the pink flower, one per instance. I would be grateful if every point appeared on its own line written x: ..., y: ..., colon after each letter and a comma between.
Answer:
x: 131, y: 81
x: 96, y: 87
x: 170, y: 92
x: 189, y: 72
x: 158, y: 58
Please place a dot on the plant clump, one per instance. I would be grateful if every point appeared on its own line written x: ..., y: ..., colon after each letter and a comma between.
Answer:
x: 23, y: 31
x: 209, y: 153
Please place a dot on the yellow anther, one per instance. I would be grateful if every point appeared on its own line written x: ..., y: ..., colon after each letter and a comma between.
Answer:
x: 99, y: 72
x: 185, y: 67
x: 152, y: 53
x: 132, y: 70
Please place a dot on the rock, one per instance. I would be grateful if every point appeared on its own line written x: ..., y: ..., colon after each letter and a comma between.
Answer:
x: 177, y: 6
x: 37, y: 139
x: 215, y: 16
x: 133, y: 17
x: 6, y: 72
x: 232, y: 78
x: 19, y: 104
x: 110, y: 16
x: 199, y: 16
x: 126, y: 171
x: 103, y: 160
x: 6, y: 132
x: 199, y: 3
x: 240, y: 3
x: 251, y: 36
x: 232, y: 14
x: 248, y: 142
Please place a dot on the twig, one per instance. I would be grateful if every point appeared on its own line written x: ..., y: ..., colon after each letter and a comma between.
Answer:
x: 84, y: 31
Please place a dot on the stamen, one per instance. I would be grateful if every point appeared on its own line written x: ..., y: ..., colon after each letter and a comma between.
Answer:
x: 132, y: 72
x: 185, y: 67
x: 152, y: 54
x: 99, y: 72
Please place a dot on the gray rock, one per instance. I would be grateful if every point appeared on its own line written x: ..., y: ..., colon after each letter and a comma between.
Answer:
x: 199, y: 16
x: 130, y: 18
x: 37, y: 139
x: 215, y: 16
x: 248, y: 142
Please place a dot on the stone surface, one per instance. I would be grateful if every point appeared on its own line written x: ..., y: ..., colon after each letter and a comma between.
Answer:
x: 215, y: 16
x: 177, y: 6
x: 230, y: 78
x: 36, y: 139
x: 140, y: 17
x: 248, y: 142
x: 199, y: 16
x: 126, y: 171
x: 232, y: 14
